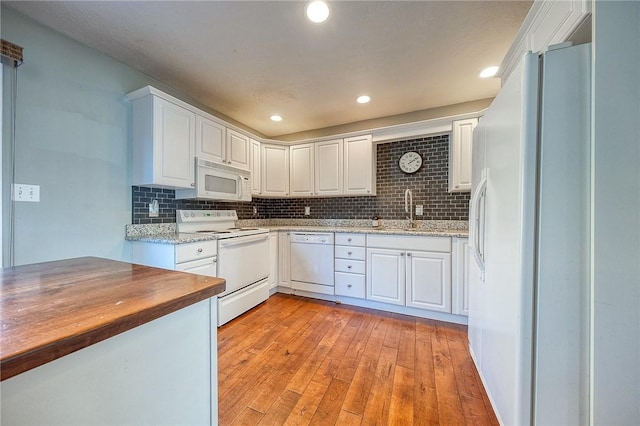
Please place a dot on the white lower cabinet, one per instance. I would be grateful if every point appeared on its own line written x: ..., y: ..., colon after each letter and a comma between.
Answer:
x: 410, y: 271
x: 349, y: 265
x: 428, y: 282
x: 386, y: 275
x: 284, y: 260
x: 460, y: 279
x: 273, y: 260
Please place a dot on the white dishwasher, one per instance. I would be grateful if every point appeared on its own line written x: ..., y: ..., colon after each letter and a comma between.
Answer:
x: 312, y: 262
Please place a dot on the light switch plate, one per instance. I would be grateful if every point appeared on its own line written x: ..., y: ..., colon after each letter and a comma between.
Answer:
x: 307, y: 211
x: 419, y: 210
x: 24, y: 192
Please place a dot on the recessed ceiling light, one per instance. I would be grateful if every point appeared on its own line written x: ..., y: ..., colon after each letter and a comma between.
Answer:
x: 317, y: 11
x: 363, y: 99
x: 488, y: 72
x: 276, y: 117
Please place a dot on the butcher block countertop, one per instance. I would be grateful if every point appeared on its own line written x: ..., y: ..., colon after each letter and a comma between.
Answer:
x: 48, y: 310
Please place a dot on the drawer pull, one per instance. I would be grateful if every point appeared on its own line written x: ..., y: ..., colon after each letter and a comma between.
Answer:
x: 349, y: 239
x: 349, y: 285
x: 408, y: 254
x: 199, y: 250
x: 349, y: 253
x: 348, y: 266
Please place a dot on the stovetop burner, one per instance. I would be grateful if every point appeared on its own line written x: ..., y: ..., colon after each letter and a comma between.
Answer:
x: 214, y: 222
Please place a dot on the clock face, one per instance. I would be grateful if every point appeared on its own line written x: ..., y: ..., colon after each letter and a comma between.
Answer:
x: 410, y: 162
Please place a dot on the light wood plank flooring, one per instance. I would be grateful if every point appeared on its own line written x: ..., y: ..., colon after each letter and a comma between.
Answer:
x: 295, y: 361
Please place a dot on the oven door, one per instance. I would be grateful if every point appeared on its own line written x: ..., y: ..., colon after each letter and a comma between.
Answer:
x: 243, y: 260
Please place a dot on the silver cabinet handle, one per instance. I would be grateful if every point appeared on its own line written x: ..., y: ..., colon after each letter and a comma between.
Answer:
x: 193, y: 184
x: 199, y: 250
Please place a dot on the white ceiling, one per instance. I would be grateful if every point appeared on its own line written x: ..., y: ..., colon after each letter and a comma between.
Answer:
x: 250, y: 59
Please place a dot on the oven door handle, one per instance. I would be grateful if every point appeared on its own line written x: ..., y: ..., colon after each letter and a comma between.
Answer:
x: 229, y: 242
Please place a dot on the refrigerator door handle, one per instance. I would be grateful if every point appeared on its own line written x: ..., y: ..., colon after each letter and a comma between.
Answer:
x: 475, y: 221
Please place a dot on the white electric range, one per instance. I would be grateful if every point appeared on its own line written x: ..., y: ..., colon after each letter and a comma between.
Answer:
x: 243, y: 258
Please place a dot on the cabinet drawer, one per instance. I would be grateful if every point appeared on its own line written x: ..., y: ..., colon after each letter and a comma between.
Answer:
x: 199, y: 250
x: 351, y: 285
x: 350, y: 239
x: 346, y: 252
x: 408, y: 243
x: 352, y: 266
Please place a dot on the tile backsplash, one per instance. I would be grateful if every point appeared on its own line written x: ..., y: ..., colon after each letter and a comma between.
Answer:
x: 429, y: 187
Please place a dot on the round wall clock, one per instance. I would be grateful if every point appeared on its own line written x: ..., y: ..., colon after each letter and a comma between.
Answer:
x: 410, y: 162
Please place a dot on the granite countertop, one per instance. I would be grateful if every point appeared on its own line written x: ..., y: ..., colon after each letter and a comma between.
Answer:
x: 370, y: 230
x: 166, y: 233
x: 51, y: 309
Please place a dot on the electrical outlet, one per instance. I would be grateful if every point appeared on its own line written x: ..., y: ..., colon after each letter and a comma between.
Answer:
x: 307, y: 211
x: 154, y: 209
x: 23, y: 192
x: 255, y: 210
x: 419, y: 210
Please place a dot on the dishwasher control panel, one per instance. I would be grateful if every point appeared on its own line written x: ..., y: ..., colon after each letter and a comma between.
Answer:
x: 311, y: 238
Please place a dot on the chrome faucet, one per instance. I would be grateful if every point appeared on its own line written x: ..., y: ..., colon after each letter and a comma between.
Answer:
x: 408, y: 206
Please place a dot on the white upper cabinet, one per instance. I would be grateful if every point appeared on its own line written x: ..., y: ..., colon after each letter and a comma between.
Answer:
x: 460, y: 150
x: 275, y: 170
x: 301, y: 160
x: 237, y: 153
x: 256, y: 166
x: 163, y: 143
x: 359, y: 166
x: 329, y: 167
x: 210, y: 140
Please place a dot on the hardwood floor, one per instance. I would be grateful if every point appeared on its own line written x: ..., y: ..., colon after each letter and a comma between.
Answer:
x: 295, y: 361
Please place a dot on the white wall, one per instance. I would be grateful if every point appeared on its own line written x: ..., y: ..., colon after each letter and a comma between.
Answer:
x: 72, y: 139
x: 616, y: 215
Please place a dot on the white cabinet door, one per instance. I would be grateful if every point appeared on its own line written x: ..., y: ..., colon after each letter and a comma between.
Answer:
x: 329, y: 167
x: 429, y: 280
x: 175, y: 127
x: 460, y: 276
x: 163, y: 143
x: 275, y: 170
x: 386, y: 276
x: 359, y: 167
x: 237, y: 149
x: 273, y: 260
x: 284, y: 260
x: 301, y: 170
x: 460, y: 149
x: 210, y: 140
x: 256, y: 178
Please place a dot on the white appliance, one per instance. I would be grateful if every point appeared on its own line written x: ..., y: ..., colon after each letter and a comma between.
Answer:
x: 529, y: 233
x: 243, y: 258
x: 312, y: 262
x: 219, y: 182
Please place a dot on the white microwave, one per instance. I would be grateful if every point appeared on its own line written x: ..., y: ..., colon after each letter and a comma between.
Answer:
x: 218, y: 182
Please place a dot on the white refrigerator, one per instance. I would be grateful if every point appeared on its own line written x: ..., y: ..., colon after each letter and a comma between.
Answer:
x: 529, y: 235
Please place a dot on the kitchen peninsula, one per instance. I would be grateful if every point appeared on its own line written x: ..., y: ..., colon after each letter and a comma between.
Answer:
x: 96, y: 341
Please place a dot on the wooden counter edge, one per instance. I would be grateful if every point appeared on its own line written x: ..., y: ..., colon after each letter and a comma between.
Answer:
x: 36, y: 357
